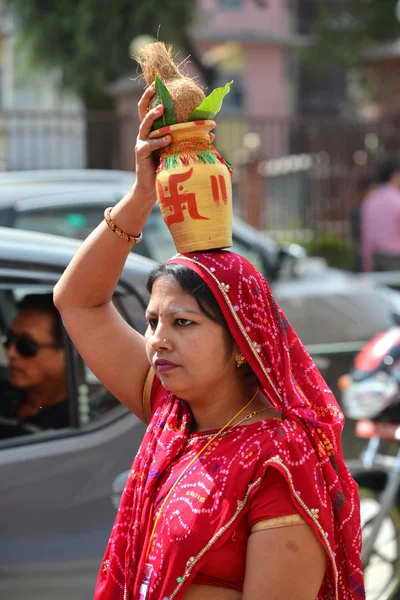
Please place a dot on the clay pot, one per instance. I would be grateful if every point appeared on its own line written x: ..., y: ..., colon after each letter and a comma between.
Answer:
x: 194, y: 189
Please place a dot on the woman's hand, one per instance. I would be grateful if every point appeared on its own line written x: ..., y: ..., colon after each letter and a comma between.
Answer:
x: 145, y: 147
x: 145, y: 165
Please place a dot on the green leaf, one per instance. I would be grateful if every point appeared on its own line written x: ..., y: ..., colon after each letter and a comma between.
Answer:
x: 164, y: 97
x: 211, y: 105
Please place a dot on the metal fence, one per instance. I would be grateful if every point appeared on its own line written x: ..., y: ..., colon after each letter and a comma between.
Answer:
x: 309, y: 166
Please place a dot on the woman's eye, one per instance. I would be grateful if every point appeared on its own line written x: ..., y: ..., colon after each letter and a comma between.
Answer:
x: 183, y: 322
x: 152, y: 323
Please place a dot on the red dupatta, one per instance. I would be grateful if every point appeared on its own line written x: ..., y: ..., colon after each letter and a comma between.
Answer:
x: 206, y: 505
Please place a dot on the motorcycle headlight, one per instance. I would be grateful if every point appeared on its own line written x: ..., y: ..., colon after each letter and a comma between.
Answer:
x: 366, y: 399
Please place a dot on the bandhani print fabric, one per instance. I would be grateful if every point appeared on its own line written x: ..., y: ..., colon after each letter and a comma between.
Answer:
x: 208, y: 502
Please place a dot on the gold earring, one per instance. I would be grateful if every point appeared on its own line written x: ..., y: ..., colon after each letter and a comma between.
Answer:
x: 240, y: 359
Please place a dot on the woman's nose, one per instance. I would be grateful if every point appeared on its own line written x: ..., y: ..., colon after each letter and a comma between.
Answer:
x: 161, y: 341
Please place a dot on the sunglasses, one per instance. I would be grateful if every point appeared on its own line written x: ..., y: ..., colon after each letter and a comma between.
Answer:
x: 24, y: 344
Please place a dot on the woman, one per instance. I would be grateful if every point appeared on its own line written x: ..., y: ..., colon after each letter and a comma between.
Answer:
x: 239, y: 489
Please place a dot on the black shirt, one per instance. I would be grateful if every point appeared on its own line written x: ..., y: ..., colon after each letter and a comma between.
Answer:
x: 50, y: 417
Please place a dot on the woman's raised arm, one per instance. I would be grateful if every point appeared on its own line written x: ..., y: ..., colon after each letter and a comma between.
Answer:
x: 109, y: 346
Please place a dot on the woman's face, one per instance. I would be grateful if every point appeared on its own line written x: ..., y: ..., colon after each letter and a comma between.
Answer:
x: 187, y: 350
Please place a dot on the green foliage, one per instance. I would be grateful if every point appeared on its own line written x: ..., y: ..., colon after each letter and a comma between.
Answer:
x: 344, y: 30
x: 164, y: 97
x: 212, y: 104
x: 89, y: 39
x: 330, y: 246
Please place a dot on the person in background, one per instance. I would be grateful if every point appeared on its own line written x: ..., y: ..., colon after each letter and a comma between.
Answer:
x: 380, y: 221
x: 36, y: 396
x: 364, y: 186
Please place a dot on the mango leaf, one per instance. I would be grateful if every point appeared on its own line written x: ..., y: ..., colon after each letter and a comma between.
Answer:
x: 211, y: 105
x: 164, y: 97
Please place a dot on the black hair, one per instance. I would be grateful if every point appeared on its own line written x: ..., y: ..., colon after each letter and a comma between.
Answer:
x: 192, y: 283
x: 387, y: 170
x: 44, y: 302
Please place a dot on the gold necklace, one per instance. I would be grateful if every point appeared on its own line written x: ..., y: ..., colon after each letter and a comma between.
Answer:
x: 253, y: 414
x: 148, y: 567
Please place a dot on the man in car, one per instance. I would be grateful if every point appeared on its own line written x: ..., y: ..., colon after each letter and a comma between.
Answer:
x: 36, y: 396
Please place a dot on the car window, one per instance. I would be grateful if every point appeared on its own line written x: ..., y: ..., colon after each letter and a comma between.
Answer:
x: 34, y: 388
x: 79, y: 222
x: 158, y: 238
x: 45, y: 387
x: 76, y: 223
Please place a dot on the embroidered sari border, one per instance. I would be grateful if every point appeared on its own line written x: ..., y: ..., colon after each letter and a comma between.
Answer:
x: 278, y: 522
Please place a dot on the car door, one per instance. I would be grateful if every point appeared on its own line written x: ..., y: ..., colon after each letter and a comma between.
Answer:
x: 56, y: 508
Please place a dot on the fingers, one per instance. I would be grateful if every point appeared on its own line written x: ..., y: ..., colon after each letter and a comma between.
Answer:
x: 145, y: 148
x: 145, y: 100
x: 146, y: 126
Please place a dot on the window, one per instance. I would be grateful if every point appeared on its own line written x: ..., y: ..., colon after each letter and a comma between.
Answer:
x: 229, y: 4
x: 65, y: 221
x: 46, y: 389
x: 34, y: 384
x: 80, y: 221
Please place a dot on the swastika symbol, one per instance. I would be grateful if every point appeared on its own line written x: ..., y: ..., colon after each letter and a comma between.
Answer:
x: 177, y: 201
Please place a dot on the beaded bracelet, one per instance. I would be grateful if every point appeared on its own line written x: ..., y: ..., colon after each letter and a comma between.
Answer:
x: 132, y: 239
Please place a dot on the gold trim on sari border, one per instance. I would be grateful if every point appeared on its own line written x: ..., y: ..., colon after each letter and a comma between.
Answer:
x: 313, y: 513
x: 278, y: 522
x: 222, y: 288
x: 146, y: 398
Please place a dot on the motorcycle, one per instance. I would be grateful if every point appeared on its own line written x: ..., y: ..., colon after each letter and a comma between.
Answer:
x: 371, y: 396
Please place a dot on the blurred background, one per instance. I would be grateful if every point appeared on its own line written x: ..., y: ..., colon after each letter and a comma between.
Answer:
x: 313, y: 109
x: 312, y: 115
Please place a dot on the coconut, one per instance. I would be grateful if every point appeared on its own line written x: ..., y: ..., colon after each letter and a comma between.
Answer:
x: 156, y: 59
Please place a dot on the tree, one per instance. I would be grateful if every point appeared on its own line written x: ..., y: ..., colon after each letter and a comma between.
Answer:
x: 344, y: 30
x: 89, y: 39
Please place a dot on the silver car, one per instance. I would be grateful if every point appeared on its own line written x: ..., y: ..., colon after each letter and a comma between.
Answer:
x: 56, y: 496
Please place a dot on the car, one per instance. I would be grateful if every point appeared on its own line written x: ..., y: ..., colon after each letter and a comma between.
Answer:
x: 59, y: 489
x: 72, y: 202
x: 56, y: 496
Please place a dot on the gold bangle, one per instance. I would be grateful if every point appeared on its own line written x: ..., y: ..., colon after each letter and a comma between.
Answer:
x: 132, y: 239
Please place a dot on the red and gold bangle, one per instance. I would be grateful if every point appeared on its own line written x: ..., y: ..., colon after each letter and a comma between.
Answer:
x: 132, y: 239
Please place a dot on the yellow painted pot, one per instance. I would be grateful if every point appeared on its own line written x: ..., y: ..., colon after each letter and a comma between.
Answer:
x: 194, y: 188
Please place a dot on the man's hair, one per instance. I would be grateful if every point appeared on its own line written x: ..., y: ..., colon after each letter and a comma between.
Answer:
x: 44, y: 303
x: 387, y: 170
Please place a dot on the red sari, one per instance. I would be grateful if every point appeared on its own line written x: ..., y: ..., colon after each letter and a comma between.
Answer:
x: 212, y: 497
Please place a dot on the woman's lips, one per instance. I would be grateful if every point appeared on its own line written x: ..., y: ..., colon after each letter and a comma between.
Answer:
x: 162, y: 366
